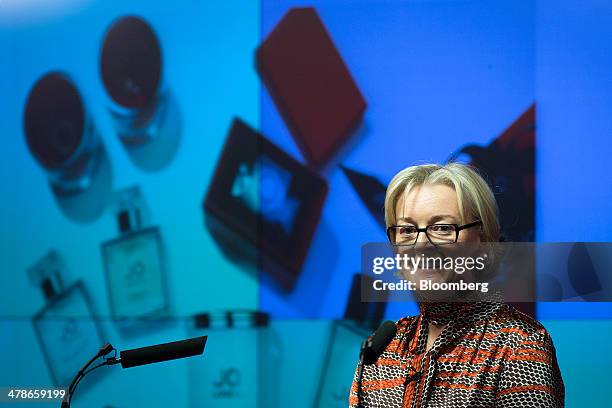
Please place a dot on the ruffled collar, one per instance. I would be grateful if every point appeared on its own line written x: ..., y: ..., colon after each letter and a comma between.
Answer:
x: 441, y: 313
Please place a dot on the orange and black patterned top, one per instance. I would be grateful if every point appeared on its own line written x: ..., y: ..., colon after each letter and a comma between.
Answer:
x: 488, y: 355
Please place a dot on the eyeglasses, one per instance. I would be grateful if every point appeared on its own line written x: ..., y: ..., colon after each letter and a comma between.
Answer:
x: 437, y: 234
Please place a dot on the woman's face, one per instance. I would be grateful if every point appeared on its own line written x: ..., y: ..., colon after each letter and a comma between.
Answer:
x: 432, y: 204
x: 426, y: 205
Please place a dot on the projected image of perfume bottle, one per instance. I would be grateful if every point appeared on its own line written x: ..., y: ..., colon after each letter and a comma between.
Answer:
x: 66, y: 328
x: 360, y: 319
x: 134, y: 264
x: 241, y: 368
x: 344, y: 343
x: 63, y: 139
x: 144, y: 111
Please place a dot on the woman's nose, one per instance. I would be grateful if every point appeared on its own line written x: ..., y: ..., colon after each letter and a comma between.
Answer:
x: 422, y: 239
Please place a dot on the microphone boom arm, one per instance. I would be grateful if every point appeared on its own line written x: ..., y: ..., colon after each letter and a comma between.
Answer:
x: 137, y: 357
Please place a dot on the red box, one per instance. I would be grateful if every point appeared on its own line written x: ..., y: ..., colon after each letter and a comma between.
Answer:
x: 310, y: 84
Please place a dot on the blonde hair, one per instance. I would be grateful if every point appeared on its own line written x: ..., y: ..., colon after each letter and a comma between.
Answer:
x: 474, y: 197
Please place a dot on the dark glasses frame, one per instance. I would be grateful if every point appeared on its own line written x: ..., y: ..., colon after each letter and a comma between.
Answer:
x: 458, y: 228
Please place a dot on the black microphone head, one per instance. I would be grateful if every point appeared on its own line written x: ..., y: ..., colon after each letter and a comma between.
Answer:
x: 163, y: 352
x: 379, y: 341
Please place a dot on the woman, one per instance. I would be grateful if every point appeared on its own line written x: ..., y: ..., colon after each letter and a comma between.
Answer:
x: 479, y: 354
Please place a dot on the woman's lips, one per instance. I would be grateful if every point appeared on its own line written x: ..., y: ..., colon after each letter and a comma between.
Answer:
x: 427, y: 273
x: 437, y: 275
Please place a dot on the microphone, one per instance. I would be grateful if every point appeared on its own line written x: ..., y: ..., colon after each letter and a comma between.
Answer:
x: 372, y: 348
x: 162, y: 352
x: 374, y: 345
x: 137, y: 357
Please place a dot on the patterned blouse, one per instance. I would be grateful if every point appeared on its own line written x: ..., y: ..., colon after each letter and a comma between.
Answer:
x: 488, y: 355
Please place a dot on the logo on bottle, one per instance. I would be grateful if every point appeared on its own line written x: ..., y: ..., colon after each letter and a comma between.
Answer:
x: 227, y: 384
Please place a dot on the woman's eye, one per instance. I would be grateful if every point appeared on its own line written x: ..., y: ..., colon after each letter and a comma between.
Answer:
x: 407, y: 230
x: 443, y: 228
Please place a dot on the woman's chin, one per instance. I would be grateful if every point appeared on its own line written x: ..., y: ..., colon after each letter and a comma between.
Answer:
x: 426, y: 281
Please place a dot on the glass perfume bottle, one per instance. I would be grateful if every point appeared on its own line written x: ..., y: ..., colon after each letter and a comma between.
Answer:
x: 360, y: 319
x: 142, y: 107
x: 134, y: 264
x: 66, y: 329
x: 63, y: 139
x: 340, y: 362
x: 241, y: 349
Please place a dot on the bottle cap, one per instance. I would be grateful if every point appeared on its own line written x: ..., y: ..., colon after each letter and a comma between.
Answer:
x: 47, y: 274
x: 232, y: 319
